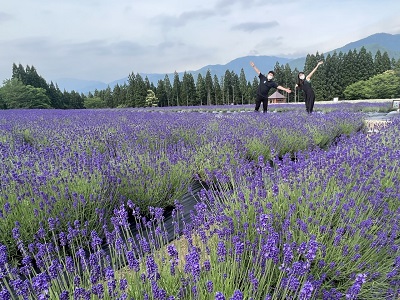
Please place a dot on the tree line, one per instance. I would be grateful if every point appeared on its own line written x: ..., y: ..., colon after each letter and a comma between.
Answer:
x: 27, y: 89
x: 351, y: 75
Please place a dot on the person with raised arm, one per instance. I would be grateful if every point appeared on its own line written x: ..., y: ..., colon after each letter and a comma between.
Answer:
x: 266, y: 83
x: 304, y: 84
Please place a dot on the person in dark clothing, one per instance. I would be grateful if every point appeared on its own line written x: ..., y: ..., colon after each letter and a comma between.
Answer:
x: 266, y: 83
x: 304, y: 84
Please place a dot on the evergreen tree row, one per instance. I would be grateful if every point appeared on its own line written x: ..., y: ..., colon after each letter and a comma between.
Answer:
x: 205, y: 90
x: 338, y: 71
x: 27, y: 89
x: 343, y: 69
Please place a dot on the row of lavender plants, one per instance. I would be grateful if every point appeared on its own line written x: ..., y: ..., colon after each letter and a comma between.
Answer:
x: 78, y: 165
x: 378, y: 106
x: 86, y: 178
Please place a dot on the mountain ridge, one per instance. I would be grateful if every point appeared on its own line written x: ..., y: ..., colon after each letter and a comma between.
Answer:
x: 384, y: 42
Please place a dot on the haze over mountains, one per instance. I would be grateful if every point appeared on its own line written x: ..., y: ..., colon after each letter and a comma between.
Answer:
x: 380, y: 41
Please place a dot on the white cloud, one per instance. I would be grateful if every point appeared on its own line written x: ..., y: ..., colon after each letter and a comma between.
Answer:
x: 107, y: 40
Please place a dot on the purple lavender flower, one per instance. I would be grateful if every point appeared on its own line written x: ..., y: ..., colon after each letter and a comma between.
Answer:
x: 41, y: 283
x: 172, y: 268
x: 221, y: 251
x: 123, y: 296
x: 302, y: 225
x: 306, y: 291
x: 193, y: 263
x: 392, y: 274
x: 41, y: 233
x: 64, y: 295
x: 209, y: 286
x: 299, y: 268
x: 123, y: 284
x: 82, y: 256
x: 145, y: 245
x: 254, y: 281
x: 15, y: 233
x: 72, y: 234
x: 77, y: 281
x: 81, y: 293
x: 98, y: 290
x: 194, y: 291
x: 69, y: 264
x: 133, y: 263
x: 159, y: 214
x: 120, y: 217
x: 239, y: 249
x: 172, y: 252
x: 275, y: 190
x: 55, y: 268
x: 338, y: 237
x: 333, y: 294
x: 219, y: 296
x: 207, y: 265
x: 21, y: 287
x: 109, y: 273
x: 5, y: 295
x: 3, y: 256
x: 63, y: 239
x: 312, y: 249
x: 26, y: 265
x: 7, y: 207
x: 53, y: 222
x: 96, y: 241
x: 95, y: 269
x: 263, y: 222
x: 271, y: 249
x: 151, y: 267
x: 355, y: 289
x: 292, y: 283
x: 302, y: 248
x: 237, y: 295
x: 287, y: 255
x: 119, y: 245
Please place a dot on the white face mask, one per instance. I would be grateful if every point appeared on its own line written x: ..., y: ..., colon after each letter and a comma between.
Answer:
x: 270, y: 77
x: 302, y: 77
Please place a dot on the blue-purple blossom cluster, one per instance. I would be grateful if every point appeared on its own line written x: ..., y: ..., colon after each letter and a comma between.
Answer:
x: 315, y: 224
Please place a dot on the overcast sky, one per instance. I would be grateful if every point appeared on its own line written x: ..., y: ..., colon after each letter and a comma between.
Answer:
x: 107, y: 40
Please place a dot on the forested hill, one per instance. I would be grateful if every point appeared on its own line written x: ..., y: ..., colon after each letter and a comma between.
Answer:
x: 381, y: 41
x: 384, y: 42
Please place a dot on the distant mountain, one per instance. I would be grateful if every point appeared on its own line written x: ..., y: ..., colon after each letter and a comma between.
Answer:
x: 380, y: 41
x: 264, y: 63
x: 79, y: 85
x: 384, y: 42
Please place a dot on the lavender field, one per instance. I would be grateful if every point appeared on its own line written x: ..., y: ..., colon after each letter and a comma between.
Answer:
x: 294, y: 206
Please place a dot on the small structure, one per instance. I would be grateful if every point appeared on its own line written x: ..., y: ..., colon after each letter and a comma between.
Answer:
x: 277, y: 98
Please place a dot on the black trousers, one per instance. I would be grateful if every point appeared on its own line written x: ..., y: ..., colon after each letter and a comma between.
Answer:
x: 264, y: 100
x: 310, y: 100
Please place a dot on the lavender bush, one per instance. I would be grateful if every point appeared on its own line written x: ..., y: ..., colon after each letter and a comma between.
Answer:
x: 328, y: 223
x: 304, y: 228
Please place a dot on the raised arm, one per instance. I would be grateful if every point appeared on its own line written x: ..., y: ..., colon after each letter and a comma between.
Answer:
x: 313, y: 71
x: 255, y: 68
